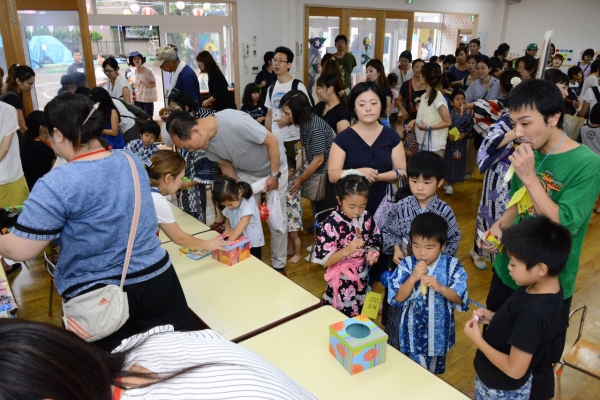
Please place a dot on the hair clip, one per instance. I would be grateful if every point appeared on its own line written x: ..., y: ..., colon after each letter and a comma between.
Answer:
x: 347, y: 172
x: 94, y: 108
x: 149, y: 164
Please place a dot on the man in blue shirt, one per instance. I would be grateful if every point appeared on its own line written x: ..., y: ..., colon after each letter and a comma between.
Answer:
x: 182, y: 78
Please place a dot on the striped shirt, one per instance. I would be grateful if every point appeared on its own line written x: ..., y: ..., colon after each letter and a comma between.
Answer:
x: 395, y: 231
x: 317, y: 138
x: 239, y: 373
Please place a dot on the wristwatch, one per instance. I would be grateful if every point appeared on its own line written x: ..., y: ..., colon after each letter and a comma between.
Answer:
x: 276, y: 175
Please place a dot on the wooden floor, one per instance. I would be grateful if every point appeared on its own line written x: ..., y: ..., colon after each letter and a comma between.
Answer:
x: 31, y: 288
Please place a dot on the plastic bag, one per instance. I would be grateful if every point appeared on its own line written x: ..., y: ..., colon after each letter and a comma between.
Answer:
x: 275, y: 219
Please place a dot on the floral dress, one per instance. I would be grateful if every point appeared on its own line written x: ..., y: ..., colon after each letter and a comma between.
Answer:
x: 294, y: 210
x: 494, y: 163
x: 337, y: 232
x: 455, y: 156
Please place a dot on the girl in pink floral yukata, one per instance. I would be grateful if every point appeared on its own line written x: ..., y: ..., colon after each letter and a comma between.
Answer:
x: 348, y: 241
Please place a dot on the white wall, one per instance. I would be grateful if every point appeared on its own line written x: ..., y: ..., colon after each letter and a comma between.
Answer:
x: 281, y: 22
x: 575, y: 23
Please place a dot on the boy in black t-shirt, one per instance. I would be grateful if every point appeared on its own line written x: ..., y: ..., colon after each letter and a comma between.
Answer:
x: 572, y: 101
x: 521, y: 331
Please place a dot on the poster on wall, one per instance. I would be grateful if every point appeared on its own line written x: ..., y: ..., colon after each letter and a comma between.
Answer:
x: 569, y: 55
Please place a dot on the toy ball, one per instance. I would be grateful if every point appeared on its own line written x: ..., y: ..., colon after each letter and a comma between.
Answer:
x: 263, y: 210
x: 385, y: 277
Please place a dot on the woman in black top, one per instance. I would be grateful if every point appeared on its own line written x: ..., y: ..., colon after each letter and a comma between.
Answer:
x: 37, y: 157
x: 332, y: 108
x: 411, y: 92
x: 316, y: 136
x: 266, y: 76
x: 218, y: 88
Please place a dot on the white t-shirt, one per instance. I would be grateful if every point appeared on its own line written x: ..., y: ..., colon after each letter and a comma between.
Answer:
x: 127, y: 118
x: 290, y: 132
x: 117, y: 90
x: 429, y: 115
x: 10, y: 166
x: 100, y: 76
x: 254, y: 229
x: 163, y: 209
x: 226, y: 370
x: 589, y: 97
x: 588, y: 82
x: 402, y: 77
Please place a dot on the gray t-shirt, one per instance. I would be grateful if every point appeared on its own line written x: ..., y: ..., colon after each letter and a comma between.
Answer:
x: 239, y: 139
x: 591, y: 138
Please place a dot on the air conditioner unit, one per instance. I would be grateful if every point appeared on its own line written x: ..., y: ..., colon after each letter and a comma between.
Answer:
x: 513, y: 1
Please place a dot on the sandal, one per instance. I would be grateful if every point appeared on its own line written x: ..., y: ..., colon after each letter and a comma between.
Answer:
x: 477, y: 260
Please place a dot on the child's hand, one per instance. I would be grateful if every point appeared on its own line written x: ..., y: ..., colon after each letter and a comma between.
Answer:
x: 472, y: 330
x: 485, y: 315
x: 419, y: 271
x: 398, y: 255
x: 372, y: 257
x: 355, y: 245
x: 431, y: 282
x: 227, y: 232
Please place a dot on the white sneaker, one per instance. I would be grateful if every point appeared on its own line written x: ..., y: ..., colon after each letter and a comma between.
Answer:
x: 467, y: 177
x: 449, y: 190
x: 309, y: 248
x: 477, y: 260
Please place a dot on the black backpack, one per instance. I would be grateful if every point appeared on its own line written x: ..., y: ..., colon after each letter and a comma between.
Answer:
x: 295, y: 83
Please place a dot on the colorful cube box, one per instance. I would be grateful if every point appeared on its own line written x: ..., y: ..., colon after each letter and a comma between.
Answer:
x: 357, y: 343
x: 237, y: 251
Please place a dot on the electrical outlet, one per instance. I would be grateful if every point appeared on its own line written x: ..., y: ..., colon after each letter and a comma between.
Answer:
x: 255, y: 70
x: 254, y: 41
x: 253, y: 53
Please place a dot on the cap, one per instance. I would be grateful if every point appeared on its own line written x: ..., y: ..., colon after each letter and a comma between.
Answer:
x: 165, y: 53
x: 532, y: 46
x: 136, y: 54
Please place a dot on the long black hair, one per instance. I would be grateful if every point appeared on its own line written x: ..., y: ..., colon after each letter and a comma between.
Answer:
x: 100, y: 95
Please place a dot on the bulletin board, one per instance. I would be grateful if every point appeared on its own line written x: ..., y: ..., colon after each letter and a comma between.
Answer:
x: 571, y: 56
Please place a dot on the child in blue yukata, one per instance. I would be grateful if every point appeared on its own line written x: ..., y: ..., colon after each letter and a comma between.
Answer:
x: 522, y: 330
x: 427, y: 287
x: 145, y: 148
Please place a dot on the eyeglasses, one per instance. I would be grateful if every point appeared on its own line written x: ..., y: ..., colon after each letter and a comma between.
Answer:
x: 108, y: 71
x: 277, y: 61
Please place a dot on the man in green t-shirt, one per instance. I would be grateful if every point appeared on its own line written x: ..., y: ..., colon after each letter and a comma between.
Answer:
x: 562, y: 178
x: 346, y: 61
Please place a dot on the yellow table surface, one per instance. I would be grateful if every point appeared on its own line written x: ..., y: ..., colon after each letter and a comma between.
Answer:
x: 238, y: 300
x: 300, y: 348
x: 186, y: 222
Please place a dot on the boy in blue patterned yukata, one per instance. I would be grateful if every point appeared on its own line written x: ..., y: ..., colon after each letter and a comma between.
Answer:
x: 427, y: 287
x: 145, y: 148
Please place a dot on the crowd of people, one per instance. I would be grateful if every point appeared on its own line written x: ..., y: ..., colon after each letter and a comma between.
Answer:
x: 375, y: 153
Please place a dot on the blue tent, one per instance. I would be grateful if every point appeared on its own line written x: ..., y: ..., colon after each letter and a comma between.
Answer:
x: 48, y: 50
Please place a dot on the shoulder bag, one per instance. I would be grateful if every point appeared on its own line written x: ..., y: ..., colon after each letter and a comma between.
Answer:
x: 387, y: 203
x: 313, y: 188
x: 97, y: 314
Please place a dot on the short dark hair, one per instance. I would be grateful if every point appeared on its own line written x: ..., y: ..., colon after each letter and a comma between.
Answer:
x: 112, y: 62
x: 183, y: 100
x: 442, y: 57
x: 476, y: 41
x: 506, y: 77
x: 450, y: 59
x: 392, y: 78
x: 574, y: 70
x: 587, y: 52
x: 299, y: 106
x: 595, y: 114
x: 426, y: 164
x: 79, y: 51
x: 433, y: 59
x: 538, y: 240
x: 180, y: 124
x: 429, y: 226
x: 540, y: 95
x: 595, y: 66
x: 341, y: 37
x: 529, y: 63
x: 461, y: 49
x: 556, y: 76
x: 78, y: 107
x: 362, y: 87
x: 405, y: 54
x: 475, y: 57
x: 288, y: 53
x: 150, y: 127
x: 456, y: 92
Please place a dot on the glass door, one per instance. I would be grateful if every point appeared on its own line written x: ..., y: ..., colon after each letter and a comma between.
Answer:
x: 50, y: 41
x: 397, y: 28
x: 321, y: 35
x: 363, y: 33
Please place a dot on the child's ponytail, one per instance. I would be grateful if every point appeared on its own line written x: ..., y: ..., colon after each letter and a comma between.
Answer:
x: 163, y: 163
x: 227, y: 189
